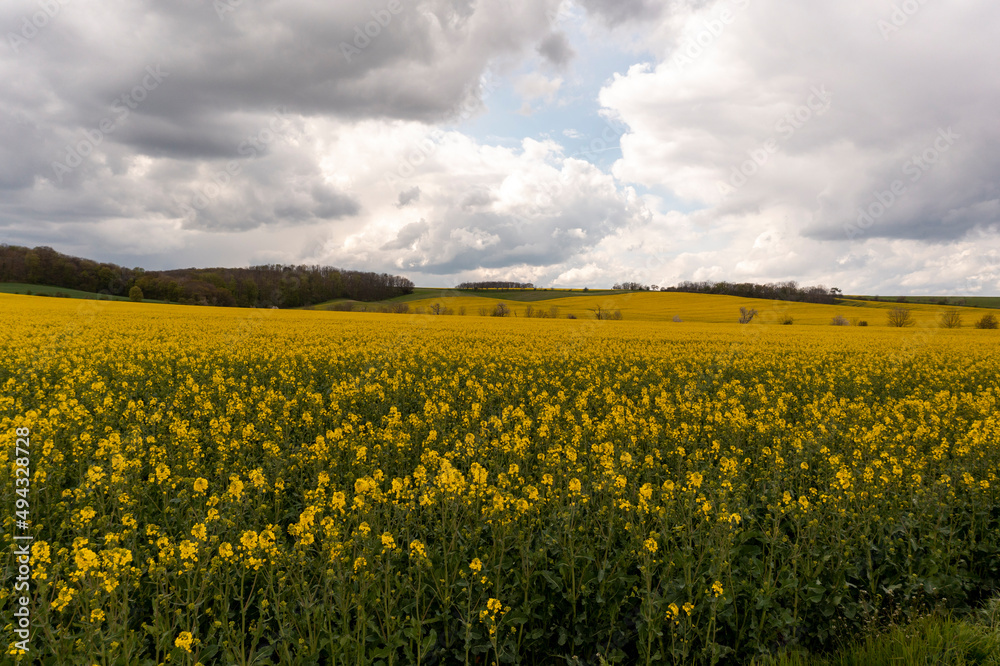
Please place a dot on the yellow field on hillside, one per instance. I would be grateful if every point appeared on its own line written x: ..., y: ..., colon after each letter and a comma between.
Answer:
x: 704, y: 308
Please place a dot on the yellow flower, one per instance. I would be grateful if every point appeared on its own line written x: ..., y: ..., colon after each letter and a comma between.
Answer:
x: 650, y: 545
x: 388, y: 543
x: 189, y: 550
x: 40, y: 552
x: 97, y: 616
x: 199, y: 532
x: 225, y: 550
x: 574, y: 485
x: 475, y: 565
x: 688, y: 607
x: 417, y: 550
x: 184, y: 641
x: 200, y: 485
x: 360, y: 563
x: 85, y: 559
x: 235, y: 487
x: 66, y: 595
x: 162, y: 473
x: 249, y: 540
x: 717, y: 588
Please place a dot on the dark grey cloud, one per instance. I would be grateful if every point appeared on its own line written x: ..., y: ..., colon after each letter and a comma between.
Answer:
x: 408, y: 196
x: 556, y: 49
x: 616, y: 12
x: 218, y: 115
x: 407, y: 236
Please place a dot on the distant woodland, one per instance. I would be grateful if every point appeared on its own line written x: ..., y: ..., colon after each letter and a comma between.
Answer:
x: 271, y: 285
x: 777, y: 291
x: 496, y: 284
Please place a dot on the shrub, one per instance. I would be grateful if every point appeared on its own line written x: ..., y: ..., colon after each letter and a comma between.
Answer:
x: 951, y: 319
x: 677, y: 318
x: 862, y: 323
x: 988, y: 321
x: 900, y: 317
x: 787, y: 320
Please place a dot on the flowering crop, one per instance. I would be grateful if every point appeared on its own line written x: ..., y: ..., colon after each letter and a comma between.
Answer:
x: 294, y: 487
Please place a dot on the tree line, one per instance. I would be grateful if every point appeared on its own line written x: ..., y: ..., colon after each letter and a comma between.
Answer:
x: 271, y: 285
x: 775, y: 291
x: 474, y: 286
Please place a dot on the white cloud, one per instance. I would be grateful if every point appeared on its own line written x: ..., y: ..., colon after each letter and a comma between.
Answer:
x: 535, y: 86
x: 748, y: 103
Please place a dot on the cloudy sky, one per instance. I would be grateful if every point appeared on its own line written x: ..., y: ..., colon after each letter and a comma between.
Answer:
x: 563, y: 142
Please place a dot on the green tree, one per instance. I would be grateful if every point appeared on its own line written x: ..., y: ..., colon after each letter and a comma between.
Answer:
x: 135, y: 294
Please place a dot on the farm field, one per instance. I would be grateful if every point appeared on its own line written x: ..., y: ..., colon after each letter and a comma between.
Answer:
x: 259, y: 486
x: 690, y: 308
x: 45, y: 290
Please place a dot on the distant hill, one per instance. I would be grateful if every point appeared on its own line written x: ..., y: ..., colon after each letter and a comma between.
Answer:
x: 271, y: 285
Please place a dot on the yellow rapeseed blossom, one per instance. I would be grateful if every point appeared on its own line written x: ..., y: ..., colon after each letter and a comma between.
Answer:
x: 184, y: 641
x: 336, y: 444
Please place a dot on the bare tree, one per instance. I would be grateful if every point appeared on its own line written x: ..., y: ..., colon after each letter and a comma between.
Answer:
x: 840, y: 320
x: 951, y: 319
x: 900, y: 317
x: 747, y: 315
x: 677, y: 319
x: 500, y: 310
x: 436, y: 309
x: 605, y: 314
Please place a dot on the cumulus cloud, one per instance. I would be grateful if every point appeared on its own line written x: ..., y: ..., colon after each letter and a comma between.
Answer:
x: 732, y: 122
x: 481, y: 208
x: 846, y: 143
x: 206, y: 114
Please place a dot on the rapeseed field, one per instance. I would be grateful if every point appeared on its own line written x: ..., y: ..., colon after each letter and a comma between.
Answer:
x: 283, y: 487
x: 697, y: 308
